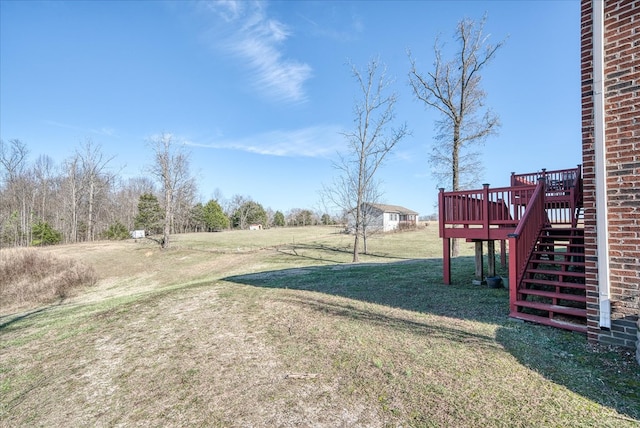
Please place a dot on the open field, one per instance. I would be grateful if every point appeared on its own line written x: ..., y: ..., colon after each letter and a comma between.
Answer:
x: 277, y: 328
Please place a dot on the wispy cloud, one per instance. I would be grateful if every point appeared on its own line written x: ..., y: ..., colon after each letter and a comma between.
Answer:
x: 257, y: 40
x: 317, y: 141
x: 104, y: 131
x: 348, y: 29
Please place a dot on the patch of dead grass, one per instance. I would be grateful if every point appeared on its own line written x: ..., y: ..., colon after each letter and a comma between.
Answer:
x: 29, y: 277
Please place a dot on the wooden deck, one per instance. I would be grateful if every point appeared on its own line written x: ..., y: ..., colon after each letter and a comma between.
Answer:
x: 523, y: 214
x: 516, y: 213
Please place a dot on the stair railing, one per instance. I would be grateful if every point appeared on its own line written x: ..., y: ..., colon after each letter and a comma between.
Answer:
x: 523, y: 241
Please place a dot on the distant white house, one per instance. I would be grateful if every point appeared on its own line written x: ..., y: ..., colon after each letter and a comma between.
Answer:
x: 255, y: 227
x: 385, y: 218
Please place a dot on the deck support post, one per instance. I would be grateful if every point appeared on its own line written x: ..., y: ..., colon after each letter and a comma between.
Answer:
x: 446, y: 261
x: 513, y: 275
x: 479, y: 261
x: 491, y: 258
x: 485, y: 209
x: 503, y: 254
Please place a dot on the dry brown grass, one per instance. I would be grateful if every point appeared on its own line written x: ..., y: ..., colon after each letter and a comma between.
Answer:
x: 31, y: 277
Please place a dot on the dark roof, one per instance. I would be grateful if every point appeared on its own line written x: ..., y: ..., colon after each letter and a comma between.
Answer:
x: 392, y: 208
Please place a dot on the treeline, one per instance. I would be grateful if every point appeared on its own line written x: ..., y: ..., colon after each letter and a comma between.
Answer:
x: 85, y: 199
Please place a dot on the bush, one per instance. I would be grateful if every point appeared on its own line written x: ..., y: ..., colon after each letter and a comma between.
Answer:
x: 29, y: 277
x: 117, y: 232
x: 44, y: 234
x: 402, y: 227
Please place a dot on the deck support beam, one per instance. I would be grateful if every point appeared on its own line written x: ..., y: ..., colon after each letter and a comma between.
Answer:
x: 491, y: 258
x: 479, y: 261
x: 446, y: 261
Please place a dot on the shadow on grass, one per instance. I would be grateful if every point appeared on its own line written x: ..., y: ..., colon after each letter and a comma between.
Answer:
x: 325, y: 253
x: 395, y: 322
x: 7, y: 320
x: 607, y: 376
x: 416, y: 285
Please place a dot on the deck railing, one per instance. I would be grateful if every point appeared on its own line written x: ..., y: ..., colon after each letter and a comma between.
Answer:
x: 523, y: 240
x: 564, y: 191
x: 555, y: 179
x: 487, y: 207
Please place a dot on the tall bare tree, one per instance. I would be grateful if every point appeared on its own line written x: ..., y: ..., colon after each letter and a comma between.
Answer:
x: 453, y: 89
x: 367, y: 146
x: 72, y: 191
x: 15, y: 191
x: 44, y: 174
x: 96, y: 177
x: 171, y: 170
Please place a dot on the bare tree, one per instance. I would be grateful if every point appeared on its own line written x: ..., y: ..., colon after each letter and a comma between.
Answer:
x: 184, y: 200
x: 72, y: 191
x: 368, y: 214
x: 171, y: 170
x: 14, y: 189
x: 43, y: 171
x: 13, y: 158
x: 453, y: 89
x: 232, y: 205
x: 367, y: 146
x: 96, y: 179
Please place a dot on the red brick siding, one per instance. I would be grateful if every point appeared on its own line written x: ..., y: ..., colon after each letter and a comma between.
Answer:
x: 622, y: 147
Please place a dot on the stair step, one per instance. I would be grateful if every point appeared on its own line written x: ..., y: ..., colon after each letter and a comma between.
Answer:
x: 562, y: 234
x: 557, y: 272
x: 561, y: 243
x: 544, y: 248
x: 558, y: 309
x: 558, y: 258
x: 576, y: 230
x: 554, y: 283
x: 553, y: 295
x: 556, y: 262
x: 550, y: 322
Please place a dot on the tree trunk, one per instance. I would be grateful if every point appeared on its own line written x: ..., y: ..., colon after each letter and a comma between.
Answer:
x: 364, y: 240
x: 167, y: 221
x: 455, y: 173
x: 356, y: 243
x: 90, y: 214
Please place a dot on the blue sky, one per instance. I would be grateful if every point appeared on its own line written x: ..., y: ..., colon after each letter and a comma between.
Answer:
x: 259, y: 92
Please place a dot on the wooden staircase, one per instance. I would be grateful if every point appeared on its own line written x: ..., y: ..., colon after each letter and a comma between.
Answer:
x: 552, y: 291
x: 540, y: 215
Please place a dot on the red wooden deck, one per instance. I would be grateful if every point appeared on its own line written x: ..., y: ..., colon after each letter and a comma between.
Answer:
x: 516, y: 213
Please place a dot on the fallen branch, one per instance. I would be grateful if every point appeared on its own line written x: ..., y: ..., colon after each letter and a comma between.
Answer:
x: 302, y: 375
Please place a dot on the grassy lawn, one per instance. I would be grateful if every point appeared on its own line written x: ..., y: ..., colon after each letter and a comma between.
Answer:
x: 277, y: 328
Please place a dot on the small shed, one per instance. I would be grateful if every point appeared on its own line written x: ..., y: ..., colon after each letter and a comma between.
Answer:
x: 137, y: 234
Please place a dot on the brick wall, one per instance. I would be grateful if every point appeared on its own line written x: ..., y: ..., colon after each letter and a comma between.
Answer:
x: 622, y: 148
